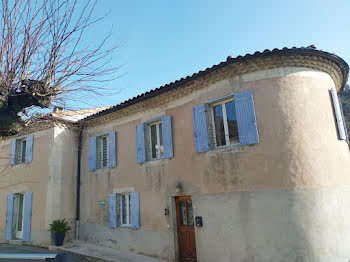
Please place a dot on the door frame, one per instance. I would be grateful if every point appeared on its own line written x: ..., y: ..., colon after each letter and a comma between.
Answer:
x: 18, y: 234
x: 173, y: 215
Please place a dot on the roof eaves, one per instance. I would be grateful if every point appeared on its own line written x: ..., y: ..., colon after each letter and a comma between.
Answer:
x: 230, y: 60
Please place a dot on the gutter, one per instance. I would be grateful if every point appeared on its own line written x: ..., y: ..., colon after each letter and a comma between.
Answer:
x: 77, y: 206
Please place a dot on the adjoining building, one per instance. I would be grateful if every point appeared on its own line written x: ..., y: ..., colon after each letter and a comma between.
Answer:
x: 38, y: 177
x: 245, y: 161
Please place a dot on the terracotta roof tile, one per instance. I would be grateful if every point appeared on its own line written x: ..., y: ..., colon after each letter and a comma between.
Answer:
x: 310, y: 50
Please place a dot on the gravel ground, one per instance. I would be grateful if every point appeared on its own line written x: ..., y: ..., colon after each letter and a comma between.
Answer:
x: 22, y: 249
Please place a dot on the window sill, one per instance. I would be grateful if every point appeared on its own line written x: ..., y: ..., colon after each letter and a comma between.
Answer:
x: 153, y: 162
x: 227, y: 146
x: 101, y: 171
x: 125, y: 226
x: 155, y: 159
x: 102, y: 168
x: 20, y: 165
x: 234, y: 148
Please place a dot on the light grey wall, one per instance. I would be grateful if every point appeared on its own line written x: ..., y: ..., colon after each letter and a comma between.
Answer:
x: 301, y: 225
x: 153, y: 243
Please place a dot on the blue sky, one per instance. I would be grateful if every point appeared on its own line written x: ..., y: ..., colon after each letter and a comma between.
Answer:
x: 162, y: 40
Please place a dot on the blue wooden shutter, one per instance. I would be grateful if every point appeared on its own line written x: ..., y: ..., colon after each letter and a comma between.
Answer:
x: 112, y: 149
x: 9, y: 215
x: 13, y: 152
x: 338, y: 115
x: 200, y: 128
x: 112, y: 210
x: 29, y: 148
x: 27, y: 216
x: 167, y: 137
x: 92, y: 153
x: 135, y: 210
x: 246, y: 121
x: 140, y: 144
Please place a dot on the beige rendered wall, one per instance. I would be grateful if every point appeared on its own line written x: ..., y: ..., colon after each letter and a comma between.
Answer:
x: 61, y: 197
x: 30, y: 177
x: 299, y: 164
x: 50, y: 176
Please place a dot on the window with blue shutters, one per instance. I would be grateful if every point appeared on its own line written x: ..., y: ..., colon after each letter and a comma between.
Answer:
x: 154, y: 140
x: 102, y: 151
x: 124, y: 210
x: 19, y: 216
x: 22, y: 150
x: 225, y: 122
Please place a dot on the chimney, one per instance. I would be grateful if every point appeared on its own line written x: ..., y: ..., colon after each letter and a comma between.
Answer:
x: 58, y: 109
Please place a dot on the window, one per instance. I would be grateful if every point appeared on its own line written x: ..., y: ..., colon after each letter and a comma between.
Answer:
x: 224, y: 121
x: 227, y: 121
x: 125, y: 218
x: 124, y: 210
x: 102, y: 151
x: 20, y: 151
x: 342, y: 131
x: 19, y: 216
x: 155, y: 140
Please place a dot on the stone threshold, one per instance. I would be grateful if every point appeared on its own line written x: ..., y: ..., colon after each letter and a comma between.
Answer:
x: 93, y: 252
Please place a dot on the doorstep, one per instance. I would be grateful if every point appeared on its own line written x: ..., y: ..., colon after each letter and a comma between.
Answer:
x: 100, y: 253
x: 16, y: 242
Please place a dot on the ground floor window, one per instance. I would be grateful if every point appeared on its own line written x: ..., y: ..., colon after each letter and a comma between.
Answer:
x: 17, y: 218
x: 125, y: 210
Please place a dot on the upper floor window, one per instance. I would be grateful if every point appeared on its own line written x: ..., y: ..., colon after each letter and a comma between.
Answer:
x: 102, y: 151
x: 227, y: 121
x: 21, y: 150
x: 225, y: 131
x: 154, y: 140
x: 338, y: 110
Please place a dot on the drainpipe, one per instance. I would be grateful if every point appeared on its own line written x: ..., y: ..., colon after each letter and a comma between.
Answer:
x: 77, y: 210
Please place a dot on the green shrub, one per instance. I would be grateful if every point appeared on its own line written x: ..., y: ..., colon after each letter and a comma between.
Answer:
x: 59, y: 226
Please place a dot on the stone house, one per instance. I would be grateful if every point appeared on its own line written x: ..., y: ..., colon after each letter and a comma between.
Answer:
x: 38, y: 177
x: 245, y: 161
x: 37, y: 182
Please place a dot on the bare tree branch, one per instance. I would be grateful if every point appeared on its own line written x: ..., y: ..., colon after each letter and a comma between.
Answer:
x: 43, y: 56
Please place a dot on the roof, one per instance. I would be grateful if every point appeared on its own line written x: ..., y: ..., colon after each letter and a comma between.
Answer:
x: 303, y: 51
x: 76, y: 115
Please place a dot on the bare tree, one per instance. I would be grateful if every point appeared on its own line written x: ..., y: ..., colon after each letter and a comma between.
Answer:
x: 44, y: 57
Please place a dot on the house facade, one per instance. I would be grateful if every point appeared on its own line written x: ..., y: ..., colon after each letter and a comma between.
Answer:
x: 37, y: 184
x: 244, y: 161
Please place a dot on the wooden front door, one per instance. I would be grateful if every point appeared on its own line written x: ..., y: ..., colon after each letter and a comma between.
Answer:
x: 185, y: 229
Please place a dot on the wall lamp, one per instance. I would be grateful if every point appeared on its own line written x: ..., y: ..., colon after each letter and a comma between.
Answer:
x: 179, y: 188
